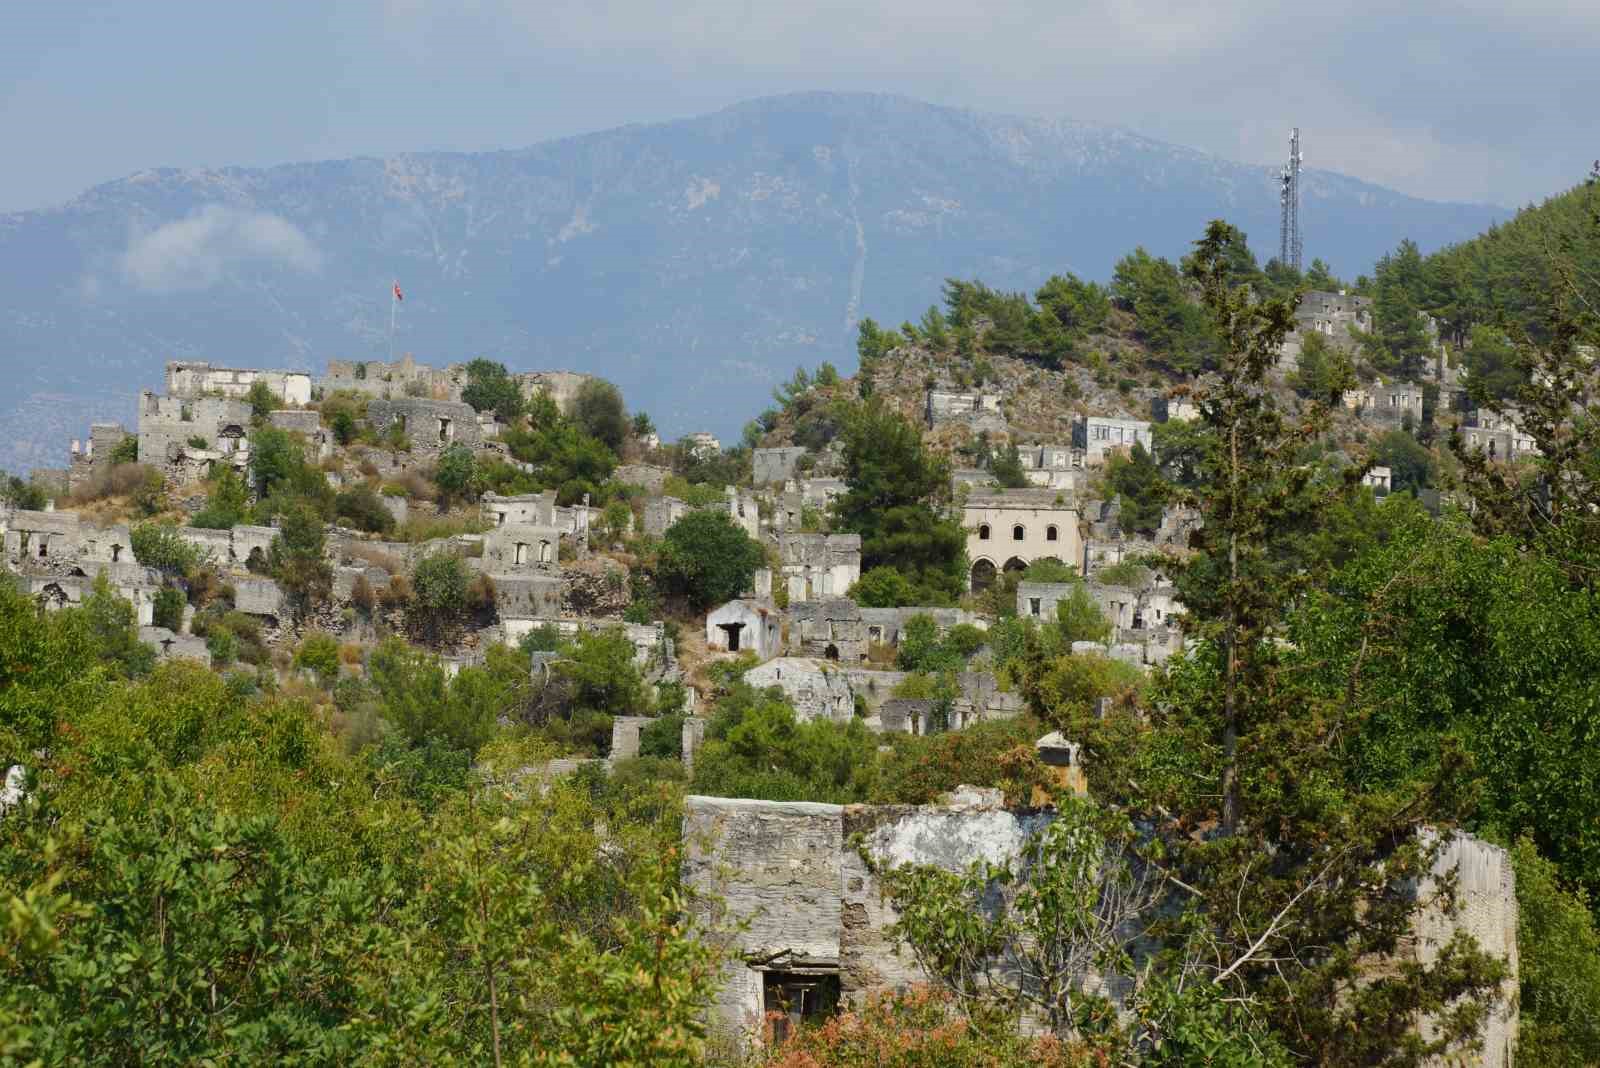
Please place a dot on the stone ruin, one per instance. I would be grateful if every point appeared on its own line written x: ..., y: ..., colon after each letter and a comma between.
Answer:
x: 976, y: 409
x: 792, y: 893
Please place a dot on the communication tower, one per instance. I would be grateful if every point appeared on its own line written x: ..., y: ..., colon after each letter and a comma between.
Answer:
x: 1290, y: 249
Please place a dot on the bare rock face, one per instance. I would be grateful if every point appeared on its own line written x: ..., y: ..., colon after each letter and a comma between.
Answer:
x: 594, y: 588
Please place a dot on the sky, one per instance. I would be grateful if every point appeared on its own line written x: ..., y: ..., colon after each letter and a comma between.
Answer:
x: 1470, y: 100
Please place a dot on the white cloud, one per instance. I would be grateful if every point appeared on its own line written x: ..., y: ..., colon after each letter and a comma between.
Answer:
x: 196, y: 251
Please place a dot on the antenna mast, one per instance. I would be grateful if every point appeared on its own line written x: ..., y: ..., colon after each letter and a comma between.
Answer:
x: 1291, y: 251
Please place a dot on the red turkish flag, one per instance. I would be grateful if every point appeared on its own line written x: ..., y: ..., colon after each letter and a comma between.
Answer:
x: 397, y: 294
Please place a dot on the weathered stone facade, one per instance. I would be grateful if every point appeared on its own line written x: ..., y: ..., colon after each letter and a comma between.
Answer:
x: 1100, y: 435
x: 191, y: 379
x: 1009, y: 529
x: 977, y: 409
x: 431, y: 425
x: 775, y: 465
x: 830, y: 629
x: 819, y: 566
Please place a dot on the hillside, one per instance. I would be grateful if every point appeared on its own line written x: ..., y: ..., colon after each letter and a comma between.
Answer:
x: 695, y: 263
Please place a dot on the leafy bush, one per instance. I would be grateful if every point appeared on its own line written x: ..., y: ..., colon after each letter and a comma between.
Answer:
x: 490, y: 388
x: 364, y: 509
x: 319, y: 653
x: 440, y: 584
x: 167, y: 610
x: 159, y: 545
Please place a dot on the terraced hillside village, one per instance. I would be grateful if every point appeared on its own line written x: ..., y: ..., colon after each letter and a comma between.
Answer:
x: 441, y: 713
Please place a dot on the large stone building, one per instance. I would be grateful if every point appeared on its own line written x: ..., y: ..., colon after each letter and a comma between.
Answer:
x: 1010, y: 529
x: 1333, y: 316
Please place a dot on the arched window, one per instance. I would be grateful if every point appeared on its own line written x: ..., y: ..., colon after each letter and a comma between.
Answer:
x: 983, y: 531
x: 1017, y: 533
x: 1050, y: 533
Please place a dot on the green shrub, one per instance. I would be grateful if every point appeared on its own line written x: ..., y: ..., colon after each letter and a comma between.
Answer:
x: 167, y: 611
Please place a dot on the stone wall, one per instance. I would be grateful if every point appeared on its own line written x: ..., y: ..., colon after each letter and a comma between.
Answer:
x: 432, y: 425
x: 1486, y: 898
x: 775, y: 465
x: 776, y: 867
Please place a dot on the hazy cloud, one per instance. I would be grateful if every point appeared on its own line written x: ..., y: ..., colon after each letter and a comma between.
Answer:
x: 1447, y: 99
x: 194, y: 252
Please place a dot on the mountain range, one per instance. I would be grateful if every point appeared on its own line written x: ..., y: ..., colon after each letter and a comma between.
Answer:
x: 694, y: 263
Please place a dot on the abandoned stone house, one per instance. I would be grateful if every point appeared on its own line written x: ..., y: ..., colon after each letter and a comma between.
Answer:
x: 526, y: 509
x: 792, y: 892
x: 406, y: 377
x: 703, y: 445
x: 816, y: 689
x: 1392, y: 403
x: 1330, y: 314
x: 1379, y: 478
x: 746, y: 625
x: 1100, y: 435
x: 1057, y: 467
x: 1498, y: 434
x: 832, y: 628
x: 805, y: 915
x: 819, y: 566
x: 1009, y: 529
x: 648, y: 477
x: 431, y: 425
x: 775, y: 465
x: 516, y: 548
x: 1174, y: 410
x: 975, y: 408
x: 178, y: 431
x: 661, y: 512
x: 801, y: 495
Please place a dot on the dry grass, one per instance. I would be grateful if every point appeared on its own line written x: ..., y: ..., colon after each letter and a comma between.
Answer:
x: 373, y: 556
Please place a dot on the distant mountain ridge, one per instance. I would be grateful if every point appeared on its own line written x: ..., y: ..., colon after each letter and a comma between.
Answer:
x: 693, y: 262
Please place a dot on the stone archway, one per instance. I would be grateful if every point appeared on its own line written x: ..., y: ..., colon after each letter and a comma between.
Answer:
x: 983, y: 575
x: 1015, y: 564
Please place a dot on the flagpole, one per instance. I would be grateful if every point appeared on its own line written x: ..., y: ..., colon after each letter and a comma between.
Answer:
x: 394, y: 305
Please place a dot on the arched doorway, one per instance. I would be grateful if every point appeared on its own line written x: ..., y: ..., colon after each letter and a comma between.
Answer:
x: 831, y: 652
x: 1016, y: 564
x: 982, y: 575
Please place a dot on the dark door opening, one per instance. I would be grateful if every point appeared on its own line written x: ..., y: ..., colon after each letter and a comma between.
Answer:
x: 831, y: 652
x: 732, y: 631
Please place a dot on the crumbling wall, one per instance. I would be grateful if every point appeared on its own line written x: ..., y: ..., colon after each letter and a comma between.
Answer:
x: 1486, y: 898
x: 776, y: 868
x: 775, y: 465
x: 974, y: 826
